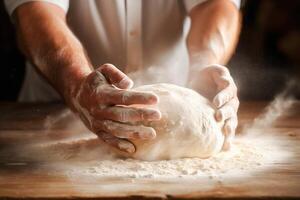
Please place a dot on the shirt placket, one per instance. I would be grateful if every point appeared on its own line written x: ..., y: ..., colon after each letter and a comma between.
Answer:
x: 134, y: 49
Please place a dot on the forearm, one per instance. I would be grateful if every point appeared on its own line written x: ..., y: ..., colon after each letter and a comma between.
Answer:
x: 50, y: 45
x: 215, y: 27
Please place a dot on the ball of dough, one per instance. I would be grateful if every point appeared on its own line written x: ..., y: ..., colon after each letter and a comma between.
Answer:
x: 187, y: 127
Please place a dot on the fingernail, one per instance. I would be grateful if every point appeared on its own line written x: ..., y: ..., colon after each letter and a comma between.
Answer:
x: 126, y: 146
x: 219, y: 115
x: 126, y: 83
x: 131, y: 83
x: 152, y: 135
x: 153, y: 115
x: 226, y: 146
x: 153, y: 98
x: 217, y: 102
x: 149, y: 135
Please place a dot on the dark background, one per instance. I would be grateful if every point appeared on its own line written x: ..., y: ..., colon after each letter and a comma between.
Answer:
x: 267, y: 56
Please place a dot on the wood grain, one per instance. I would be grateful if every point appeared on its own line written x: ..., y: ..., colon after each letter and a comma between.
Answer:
x: 23, y: 123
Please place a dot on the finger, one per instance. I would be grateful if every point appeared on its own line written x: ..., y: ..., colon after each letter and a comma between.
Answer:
x: 221, y: 75
x: 230, y: 126
x: 227, y: 144
x: 229, y: 132
x: 96, y: 79
x: 120, y: 144
x: 127, y: 114
x: 228, y: 110
x: 222, y: 82
x: 124, y: 131
x: 224, y: 96
x: 224, y: 113
x: 127, y: 97
x: 219, y: 70
x: 116, y: 76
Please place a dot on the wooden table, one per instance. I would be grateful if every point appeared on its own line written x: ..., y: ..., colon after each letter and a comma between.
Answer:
x: 20, y: 123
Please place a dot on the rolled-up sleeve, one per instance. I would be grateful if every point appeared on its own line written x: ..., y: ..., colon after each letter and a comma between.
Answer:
x: 190, y: 4
x: 11, y: 5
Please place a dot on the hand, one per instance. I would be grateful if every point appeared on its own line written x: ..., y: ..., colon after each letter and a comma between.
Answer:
x: 216, y: 83
x: 102, y: 100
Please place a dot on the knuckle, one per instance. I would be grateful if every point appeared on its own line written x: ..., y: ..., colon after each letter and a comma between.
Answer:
x: 105, y: 67
x: 227, y: 96
x: 112, y: 127
x: 225, y: 69
x: 122, y: 115
x: 125, y: 96
x: 123, y: 135
x: 221, y: 68
x: 141, y: 114
x: 217, y: 66
x: 225, y: 81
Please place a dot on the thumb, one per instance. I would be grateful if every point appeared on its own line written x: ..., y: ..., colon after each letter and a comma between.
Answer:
x: 115, y: 76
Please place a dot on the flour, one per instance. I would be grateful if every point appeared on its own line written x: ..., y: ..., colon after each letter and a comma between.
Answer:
x: 244, y: 158
x: 82, y: 154
x: 87, y: 156
x: 255, y: 151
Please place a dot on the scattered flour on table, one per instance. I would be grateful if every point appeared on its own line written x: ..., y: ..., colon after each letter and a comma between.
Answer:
x: 85, y: 155
x: 243, y: 159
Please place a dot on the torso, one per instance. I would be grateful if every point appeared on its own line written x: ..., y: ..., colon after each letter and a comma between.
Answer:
x: 135, y: 35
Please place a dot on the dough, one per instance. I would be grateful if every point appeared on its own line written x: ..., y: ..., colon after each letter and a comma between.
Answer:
x: 187, y: 127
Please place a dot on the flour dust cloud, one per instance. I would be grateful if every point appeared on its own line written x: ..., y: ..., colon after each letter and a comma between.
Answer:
x: 80, y: 153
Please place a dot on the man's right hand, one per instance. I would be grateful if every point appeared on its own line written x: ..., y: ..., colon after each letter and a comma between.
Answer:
x: 100, y: 97
x: 102, y: 101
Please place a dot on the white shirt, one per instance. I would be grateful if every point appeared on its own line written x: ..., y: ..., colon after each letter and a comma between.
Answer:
x: 144, y: 38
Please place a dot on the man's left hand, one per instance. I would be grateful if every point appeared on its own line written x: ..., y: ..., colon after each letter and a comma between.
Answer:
x: 216, y: 83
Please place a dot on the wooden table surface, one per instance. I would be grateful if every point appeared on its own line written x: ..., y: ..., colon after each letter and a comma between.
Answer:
x: 20, y: 123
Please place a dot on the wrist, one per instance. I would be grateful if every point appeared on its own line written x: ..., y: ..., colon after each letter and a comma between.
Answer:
x: 202, y: 59
x: 73, y: 81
